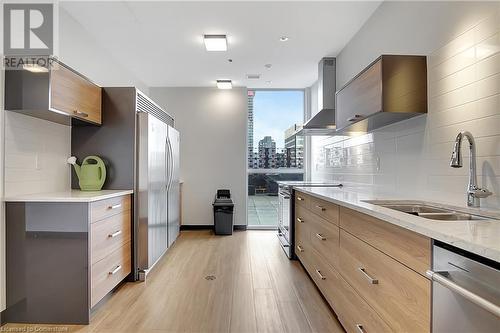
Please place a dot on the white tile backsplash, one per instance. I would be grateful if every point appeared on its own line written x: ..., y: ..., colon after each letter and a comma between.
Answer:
x: 411, y: 158
x: 35, y: 155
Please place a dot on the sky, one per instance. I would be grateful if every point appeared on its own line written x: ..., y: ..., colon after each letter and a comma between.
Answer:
x: 274, y: 112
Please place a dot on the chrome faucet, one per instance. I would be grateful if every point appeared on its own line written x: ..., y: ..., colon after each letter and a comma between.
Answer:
x: 474, y: 193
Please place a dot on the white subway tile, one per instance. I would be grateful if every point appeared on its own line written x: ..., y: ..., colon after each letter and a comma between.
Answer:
x: 456, y: 46
x: 488, y: 66
x: 487, y: 27
x: 485, y: 107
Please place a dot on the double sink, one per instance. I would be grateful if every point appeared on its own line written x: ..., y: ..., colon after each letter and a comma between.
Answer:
x: 428, y: 211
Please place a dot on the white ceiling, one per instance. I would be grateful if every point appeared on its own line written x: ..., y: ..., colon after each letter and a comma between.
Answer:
x: 162, y: 44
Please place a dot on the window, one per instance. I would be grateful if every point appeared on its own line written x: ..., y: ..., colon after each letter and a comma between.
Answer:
x: 275, y: 150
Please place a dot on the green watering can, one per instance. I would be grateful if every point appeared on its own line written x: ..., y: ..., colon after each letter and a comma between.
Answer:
x: 91, y: 174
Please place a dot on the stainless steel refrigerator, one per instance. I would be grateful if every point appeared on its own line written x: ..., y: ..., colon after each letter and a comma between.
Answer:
x: 140, y: 146
x: 158, y: 189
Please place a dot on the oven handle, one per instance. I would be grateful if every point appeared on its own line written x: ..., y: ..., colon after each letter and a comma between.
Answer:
x: 285, y: 196
x: 467, y: 294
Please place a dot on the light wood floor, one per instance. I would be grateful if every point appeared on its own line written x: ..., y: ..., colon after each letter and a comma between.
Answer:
x: 256, y: 289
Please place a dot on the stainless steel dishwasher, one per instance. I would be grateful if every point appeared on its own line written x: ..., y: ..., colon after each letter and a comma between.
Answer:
x: 465, y: 292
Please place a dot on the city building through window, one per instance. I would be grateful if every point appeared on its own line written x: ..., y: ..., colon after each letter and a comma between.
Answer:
x: 275, y: 150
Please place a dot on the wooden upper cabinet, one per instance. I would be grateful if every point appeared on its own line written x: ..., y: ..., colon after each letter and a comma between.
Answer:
x: 392, y: 88
x: 55, y: 93
x: 362, y: 97
x: 73, y: 94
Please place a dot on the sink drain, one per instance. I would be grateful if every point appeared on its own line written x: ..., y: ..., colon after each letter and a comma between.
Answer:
x: 210, y: 277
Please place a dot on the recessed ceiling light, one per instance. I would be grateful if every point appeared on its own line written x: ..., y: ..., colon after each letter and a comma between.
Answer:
x: 224, y: 84
x: 283, y: 38
x: 268, y: 66
x: 215, y: 42
x: 253, y: 76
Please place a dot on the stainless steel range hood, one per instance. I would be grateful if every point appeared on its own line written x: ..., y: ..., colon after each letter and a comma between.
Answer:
x: 323, y: 122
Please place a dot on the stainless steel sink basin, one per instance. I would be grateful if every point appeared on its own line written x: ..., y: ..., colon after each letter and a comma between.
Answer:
x: 428, y: 211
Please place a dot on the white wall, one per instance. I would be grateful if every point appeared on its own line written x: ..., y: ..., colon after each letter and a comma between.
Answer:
x: 78, y: 49
x: 213, y: 127
x: 411, y: 158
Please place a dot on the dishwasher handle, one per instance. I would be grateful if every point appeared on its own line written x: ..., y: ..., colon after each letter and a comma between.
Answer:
x: 467, y: 294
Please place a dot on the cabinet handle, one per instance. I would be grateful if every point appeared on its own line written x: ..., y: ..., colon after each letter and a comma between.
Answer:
x: 320, y: 236
x: 321, y: 208
x: 321, y: 276
x: 115, y: 206
x: 300, y: 248
x: 368, y: 277
x: 116, y: 270
x: 114, y: 234
x: 80, y: 114
x: 300, y: 220
x: 360, y: 328
x: 300, y: 199
x: 356, y: 117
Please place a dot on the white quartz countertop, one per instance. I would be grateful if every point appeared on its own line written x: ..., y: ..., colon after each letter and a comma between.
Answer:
x: 69, y: 196
x: 481, y: 237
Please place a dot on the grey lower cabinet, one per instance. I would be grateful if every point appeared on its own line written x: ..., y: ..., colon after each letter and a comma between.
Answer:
x: 62, y: 258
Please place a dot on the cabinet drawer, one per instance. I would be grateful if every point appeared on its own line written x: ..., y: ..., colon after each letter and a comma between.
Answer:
x: 109, y: 234
x: 325, y: 209
x: 398, y: 294
x: 324, y: 238
x: 107, y: 273
x: 302, y: 250
x: 407, y: 247
x: 109, y: 207
x: 355, y: 314
x: 74, y: 95
x: 325, y: 277
x: 302, y: 224
x: 302, y: 199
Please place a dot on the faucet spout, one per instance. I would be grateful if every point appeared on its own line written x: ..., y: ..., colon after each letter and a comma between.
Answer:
x: 474, y: 193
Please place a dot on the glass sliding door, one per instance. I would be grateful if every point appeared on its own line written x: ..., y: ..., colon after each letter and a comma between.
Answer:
x: 275, y: 151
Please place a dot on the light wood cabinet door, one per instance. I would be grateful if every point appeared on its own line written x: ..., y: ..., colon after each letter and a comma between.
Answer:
x: 324, y: 238
x: 107, y: 273
x: 355, y: 314
x: 325, y: 209
x: 105, y: 208
x: 110, y: 234
x: 361, y: 97
x: 74, y: 95
x: 325, y: 277
x: 405, y: 246
x: 302, y: 241
x: 302, y: 199
x: 398, y: 294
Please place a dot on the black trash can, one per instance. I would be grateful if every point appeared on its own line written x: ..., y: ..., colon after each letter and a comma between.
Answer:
x: 223, y: 213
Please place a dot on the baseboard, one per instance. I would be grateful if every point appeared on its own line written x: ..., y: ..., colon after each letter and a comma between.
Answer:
x: 240, y: 227
x: 197, y: 227
x: 208, y: 227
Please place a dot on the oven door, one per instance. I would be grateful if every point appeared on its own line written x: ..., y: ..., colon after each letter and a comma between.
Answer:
x: 284, y: 200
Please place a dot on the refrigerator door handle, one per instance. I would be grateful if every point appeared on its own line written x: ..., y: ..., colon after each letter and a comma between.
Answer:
x: 167, y: 157
x: 171, y: 165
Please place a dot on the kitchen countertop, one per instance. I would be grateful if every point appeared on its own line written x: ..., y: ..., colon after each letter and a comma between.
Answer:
x: 481, y: 237
x: 69, y: 196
